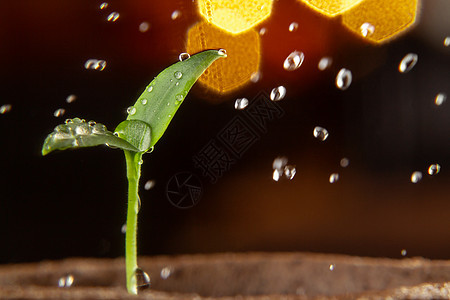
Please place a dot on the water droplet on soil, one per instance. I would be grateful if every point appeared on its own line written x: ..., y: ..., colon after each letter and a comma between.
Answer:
x: 183, y: 56
x: 59, y: 112
x: 150, y: 89
x: 240, y: 103
x: 294, y: 61
x: 408, y: 62
x: 367, y: 29
x: 333, y: 178
x: 434, y: 169
x: 293, y: 26
x: 320, y: 133
x: 278, y: 93
x: 324, y: 63
x: 66, y: 281
x: 112, y: 17
x: 440, y: 99
x: 343, y: 79
x: 5, y: 108
x: 416, y: 176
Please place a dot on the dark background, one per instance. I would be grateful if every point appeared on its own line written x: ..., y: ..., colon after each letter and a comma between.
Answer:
x: 73, y: 203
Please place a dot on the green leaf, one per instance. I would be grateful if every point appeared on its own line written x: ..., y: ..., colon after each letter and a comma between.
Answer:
x: 76, y: 133
x: 162, y: 97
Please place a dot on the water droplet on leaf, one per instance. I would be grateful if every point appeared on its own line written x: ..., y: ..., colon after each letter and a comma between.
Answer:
x: 294, y: 61
x: 112, y: 17
x: 183, y: 56
x: 343, y: 79
x: 333, y: 178
x: 320, y: 133
x: 141, y: 279
x: 434, y: 169
x: 367, y: 29
x: 416, y: 176
x: 278, y: 93
x: 241, y: 103
x: 144, y: 101
x: 222, y: 52
x: 178, y: 75
x: 150, y: 88
x: 131, y: 110
x: 179, y: 98
x: 408, y: 62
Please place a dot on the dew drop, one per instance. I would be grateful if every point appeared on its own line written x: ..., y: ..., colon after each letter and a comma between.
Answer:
x: 255, y: 77
x: 222, y: 52
x: 144, y: 101
x: 241, y: 103
x: 344, y: 162
x: 165, y: 272
x: 320, y: 133
x: 294, y: 61
x: 179, y: 98
x: 66, y: 281
x: 447, y: 41
x: 59, y: 112
x: 82, y: 130
x: 178, y: 75
x: 408, y: 62
x: 331, y: 267
x: 367, y: 29
x: 151, y: 149
x: 149, y: 185
x: 416, y: 176
x: 141, y: 162
x: 112, y: 17
x: 95, y: 64
x: 131, y: 110
x: 324, y: 63
x: 440, y: 99
x: 141, y: 279
x: 277, y: 174
x: 293, y: 26
x: 144, y: 27
x: 98, y: 128
x: 71, y: 98
x: 104, y: 5
x: 150, y: 89
x: 175, y: 14
x: 262, y: 31
x: 5, y: 108
x: 278, y: 93
x: 290, y: 171
x: 434, y: 169
x: 343, y: 79
x: 279, y: 163
x: 123, y: 229
x: 403, y: 252
x: 333, y: 178
x: 183, y: 56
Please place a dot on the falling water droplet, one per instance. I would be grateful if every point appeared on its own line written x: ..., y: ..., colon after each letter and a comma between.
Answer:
x: 416, y: 176
x: 5, y: 108
x: 123, y: 229
x: 112, y: 17
x: 279, y: 163
x: 165, y: 272
x: 447, y: 41
x: 278, y: 93
x: 149, y: 185
x: 344, y: 79
x: 367, y: 29
x: 290, y: 171
x: 59, y: 112
x: 66, y: 281
x: 324, y: 63
x: 183, y: 56
x: 240, y: 103
x: 333, y: 178
x: 71, y: 98
x: 320, y: 133
x: 178, y: 75
x: 293, y: 26
x: 294, y: 61
x: 331, y: 267
x: 144, y: 101
x: 277, y: 174
x: 440, y: 99
x: 175, y: 15
x: 262, y: 31
x: 141, y: 279
x: 255, y: 77
x: 104, y: 5
x: 95, y: 64
x: 403, y: 252
x: 434, y: 169
x: 144, y: 27
x: 131, y: 110
x: 408, y: 62
x: 344, y: 162
x: 222, y: 52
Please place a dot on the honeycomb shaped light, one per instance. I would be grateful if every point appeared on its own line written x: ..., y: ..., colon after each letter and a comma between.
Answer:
x: 235, y: 16
x: 243, y: 56
x: 331, y: 8
x: 380, y: 20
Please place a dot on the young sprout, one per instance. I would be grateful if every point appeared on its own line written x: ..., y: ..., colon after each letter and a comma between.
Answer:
x: 147, y: 121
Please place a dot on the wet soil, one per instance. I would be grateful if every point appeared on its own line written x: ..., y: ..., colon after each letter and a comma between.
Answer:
x: 234, y: 276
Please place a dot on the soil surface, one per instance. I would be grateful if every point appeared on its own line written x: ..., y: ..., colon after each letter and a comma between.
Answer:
x: 234, y: 276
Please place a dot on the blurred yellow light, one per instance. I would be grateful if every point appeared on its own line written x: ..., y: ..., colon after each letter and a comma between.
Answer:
x: 379, y: 20
x: 243, y: 56
x: 331, y: 8
x: 235, y: 16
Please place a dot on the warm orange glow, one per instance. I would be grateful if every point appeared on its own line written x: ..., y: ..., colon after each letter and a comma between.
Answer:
x: 243, y: 56
x: 235, y: 16
x: 331, y: 8
x: 380, y: 20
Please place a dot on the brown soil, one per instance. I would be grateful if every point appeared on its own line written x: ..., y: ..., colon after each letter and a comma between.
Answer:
x: 234, y: 276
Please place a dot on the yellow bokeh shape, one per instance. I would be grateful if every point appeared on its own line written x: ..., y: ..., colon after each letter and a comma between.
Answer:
x: 385, y: 18
x: 331, y: 8
x: 243, y: 56
x: 235, y: 16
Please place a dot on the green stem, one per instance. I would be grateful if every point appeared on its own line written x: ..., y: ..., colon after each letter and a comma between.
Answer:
x: 133, y: 160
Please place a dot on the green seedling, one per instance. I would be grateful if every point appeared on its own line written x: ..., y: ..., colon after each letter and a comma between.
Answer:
x: 146, y: 123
